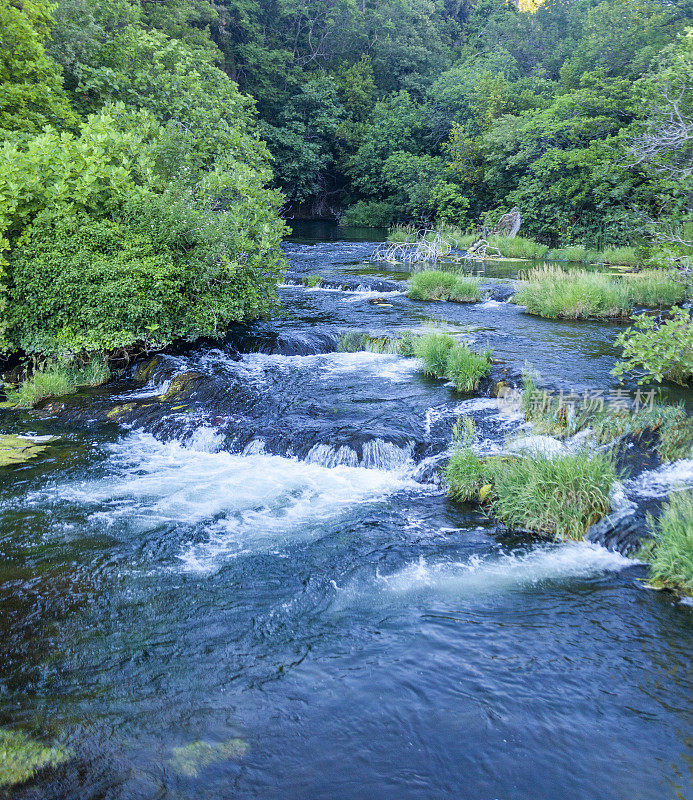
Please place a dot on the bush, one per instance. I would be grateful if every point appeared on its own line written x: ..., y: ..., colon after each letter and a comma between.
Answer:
x: 559, y: 497
x: 672, y: 555
x: 552, y: 292
x: 658, y: 352
x: 436, y: 285
x: 56, y: 380
x: 102, y: 257
x: 373, y: 214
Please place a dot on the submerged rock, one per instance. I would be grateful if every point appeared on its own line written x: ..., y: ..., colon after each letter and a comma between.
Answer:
x: 19, y: 449
x: 193, y: 757
x: 22, y: 757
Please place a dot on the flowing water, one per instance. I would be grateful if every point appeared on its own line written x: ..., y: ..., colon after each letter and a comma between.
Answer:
x: 260, y: 590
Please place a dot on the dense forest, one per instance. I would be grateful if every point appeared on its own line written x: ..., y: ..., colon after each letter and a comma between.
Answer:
x: 149, y: 146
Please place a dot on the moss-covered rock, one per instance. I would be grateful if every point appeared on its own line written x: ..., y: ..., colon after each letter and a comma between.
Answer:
x: 19, y: 449
x: 182, y: 386
x: 22, y: 757
x: 193, y: 757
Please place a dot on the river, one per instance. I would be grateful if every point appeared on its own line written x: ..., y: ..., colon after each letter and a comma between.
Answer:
x: 260, y: 591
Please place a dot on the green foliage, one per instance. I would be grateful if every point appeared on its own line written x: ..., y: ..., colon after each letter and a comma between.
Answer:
x: 658, y: 352
x: 553, y: 292
x: 436, y: 285
x: 22, y: 757
x: 443, y: 358
x: 464, y: 473
x: 674, y: 427
x: 56, y: 379
x: 558, y: 497
x: 31, y: 86
x: 671, y: 564
x: 465, y: 368
x: 311, y: 281
x: 370, y: 214
x: 433, y: 350
x: 518, y: 247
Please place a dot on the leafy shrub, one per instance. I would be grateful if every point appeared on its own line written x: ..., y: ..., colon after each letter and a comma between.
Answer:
x: 101, y: 256
x: 672, y: 556
x: 559, y: 497
x: 436, y: 285
x: 658, y: 352
x: 369, y: 214
x: 55, y: 380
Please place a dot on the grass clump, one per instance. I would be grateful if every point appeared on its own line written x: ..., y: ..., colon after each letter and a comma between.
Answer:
x: 355, y: 342
x: 671, y: 423
x: 558, y: 497
x: 464, y: 473
x: 433, y: 350
x: 443, y: 357
x: 311, y: 281
x: 22, y: 757
x: 621, y: 256
x: 53, y: 379
x: 437, y: 285
x: 671, y: 563
x: 518, y: 247
x: 574, y: 254
x: 465, y: 368
x: 556, y: 293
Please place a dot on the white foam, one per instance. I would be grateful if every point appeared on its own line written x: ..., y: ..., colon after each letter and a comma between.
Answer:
x: 491, y: 304
x: 660, y: 482
x: 235, y: 503
x: 495, y: 573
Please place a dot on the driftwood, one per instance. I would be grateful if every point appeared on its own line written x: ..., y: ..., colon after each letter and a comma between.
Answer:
x: 429, y: 246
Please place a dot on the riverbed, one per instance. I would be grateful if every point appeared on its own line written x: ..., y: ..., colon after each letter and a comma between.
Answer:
x: 258, y: 589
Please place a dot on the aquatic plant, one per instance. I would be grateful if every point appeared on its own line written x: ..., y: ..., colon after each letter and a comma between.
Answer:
x: 55, y: 379
x: 19, y: 449
x: 464, y: 475
x: 311, y: 281
x: 465, y: 368
x: 22, y: 757
x: 190, y: 759
x: 437, y: 285
x: 556, y: 293
x: 574, y: 254
x: 433, y: 349
x: 671, y: 561
x: 559, y: 496
x: 671, y: 423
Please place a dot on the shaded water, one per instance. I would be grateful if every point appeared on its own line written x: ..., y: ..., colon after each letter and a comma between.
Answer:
x: 267, y: 569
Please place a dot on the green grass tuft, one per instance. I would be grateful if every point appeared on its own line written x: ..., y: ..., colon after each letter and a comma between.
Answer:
x: 311, y: 281
x: 558, y: 497
x: 672, y: 554
x: 436, y: 285
x: 56, y: 380
x: 518, y: 247
x: 555, y: 293
x: 433, y: 349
